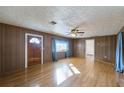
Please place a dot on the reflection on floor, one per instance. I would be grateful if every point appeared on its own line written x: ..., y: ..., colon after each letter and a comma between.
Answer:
x: 74, y: 69
x: 62, y: 74
x: 71, y: 72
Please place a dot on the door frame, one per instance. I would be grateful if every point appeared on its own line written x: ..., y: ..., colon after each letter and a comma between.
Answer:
x: 26, y: 47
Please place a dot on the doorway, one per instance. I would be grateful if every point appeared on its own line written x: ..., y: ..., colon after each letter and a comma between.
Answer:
x: 33, y: 49
x: 89, y: 48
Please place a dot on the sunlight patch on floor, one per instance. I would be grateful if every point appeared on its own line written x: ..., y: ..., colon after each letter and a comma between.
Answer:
x: 74, y: 69
x: 62, y: 74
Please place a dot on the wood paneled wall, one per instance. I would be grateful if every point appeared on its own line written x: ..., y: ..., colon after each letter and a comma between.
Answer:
x: 12, y: 47
x: 105, y: 48
x: 0, y: 50
x: 79, y: 47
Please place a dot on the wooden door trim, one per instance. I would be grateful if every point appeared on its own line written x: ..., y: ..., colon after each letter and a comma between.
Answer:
x: 26, y: 53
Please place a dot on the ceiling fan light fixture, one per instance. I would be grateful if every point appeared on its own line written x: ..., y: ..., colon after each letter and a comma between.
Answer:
x: 73, y: 35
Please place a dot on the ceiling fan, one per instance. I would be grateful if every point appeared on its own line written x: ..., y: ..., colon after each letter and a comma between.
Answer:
x: 75, y: 32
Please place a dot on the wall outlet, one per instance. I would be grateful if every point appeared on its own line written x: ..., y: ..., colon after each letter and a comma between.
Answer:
x: 105, y: 56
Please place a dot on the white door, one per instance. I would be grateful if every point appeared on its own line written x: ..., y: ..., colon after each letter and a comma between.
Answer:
x: 89, y: 47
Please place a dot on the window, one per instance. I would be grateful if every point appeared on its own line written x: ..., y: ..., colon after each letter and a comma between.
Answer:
x: 34, y: 40
x: 61, y: 46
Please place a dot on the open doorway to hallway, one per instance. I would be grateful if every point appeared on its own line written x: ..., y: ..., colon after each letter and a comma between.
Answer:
x: 89, y: 48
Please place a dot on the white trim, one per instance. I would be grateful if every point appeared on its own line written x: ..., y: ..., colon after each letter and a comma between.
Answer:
x: 26, y: 60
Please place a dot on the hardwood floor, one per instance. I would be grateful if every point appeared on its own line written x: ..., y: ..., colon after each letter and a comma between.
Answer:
x: 71, y: 72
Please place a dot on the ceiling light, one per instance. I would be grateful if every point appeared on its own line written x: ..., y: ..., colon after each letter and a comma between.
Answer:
x: 73, y: 35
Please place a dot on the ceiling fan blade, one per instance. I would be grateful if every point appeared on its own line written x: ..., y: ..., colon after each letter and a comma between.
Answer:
x: 80, y: 32
x: 68, y: 33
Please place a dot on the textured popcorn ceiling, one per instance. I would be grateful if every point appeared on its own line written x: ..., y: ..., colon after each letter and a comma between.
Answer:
x: 94, y: 21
